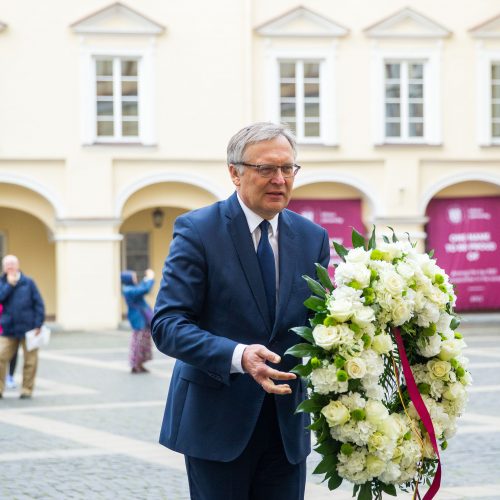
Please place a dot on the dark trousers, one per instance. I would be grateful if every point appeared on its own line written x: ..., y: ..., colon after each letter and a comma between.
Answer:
x: 261, y: 472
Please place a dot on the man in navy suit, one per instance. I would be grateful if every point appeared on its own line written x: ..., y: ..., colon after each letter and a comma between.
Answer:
x: 231, y: 291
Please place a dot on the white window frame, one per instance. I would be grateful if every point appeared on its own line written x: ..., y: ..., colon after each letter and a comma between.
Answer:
x: 146, y: 99
x: 327, y: 104
x: 485, y: 59
x: 432, y: 95
x: 124, y: 248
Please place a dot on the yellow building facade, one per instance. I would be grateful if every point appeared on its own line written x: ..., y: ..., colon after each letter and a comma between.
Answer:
x: 114, y: 119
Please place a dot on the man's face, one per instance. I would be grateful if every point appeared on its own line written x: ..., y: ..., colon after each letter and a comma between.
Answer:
x: 11, y: 266
x: 265, y: 196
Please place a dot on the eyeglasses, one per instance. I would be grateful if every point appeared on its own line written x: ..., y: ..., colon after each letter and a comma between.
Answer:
x: 271, y: 170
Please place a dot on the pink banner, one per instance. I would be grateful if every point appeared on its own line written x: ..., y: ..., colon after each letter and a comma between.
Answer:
x: 338, y: 217
x: 465, y: 235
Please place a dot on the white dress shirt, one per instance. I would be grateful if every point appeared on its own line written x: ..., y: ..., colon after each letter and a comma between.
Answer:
x: 253, y: 221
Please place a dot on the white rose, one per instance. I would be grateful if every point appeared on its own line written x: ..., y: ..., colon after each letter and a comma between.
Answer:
x: 450, y: 349
x: 392, y: 427
x: 341, y: 309
x: 358, y: 256
x: 374, y: 465
x: 382, y: 344
x: 439, y: 369
x: 347, y: 272
x: 336, y: 413
x: 363, y: 316
x: 326, y: 336
x: 355, y: 367
x: 375, y: 412
x: 379, y: 442
x: 454, y: 391
x: 393, y: 283
x: 405, y: 270
x: 401, y: 311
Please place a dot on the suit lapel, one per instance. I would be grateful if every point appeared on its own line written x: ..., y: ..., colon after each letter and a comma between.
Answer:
x: 243, y: 244
x: 287, y: 263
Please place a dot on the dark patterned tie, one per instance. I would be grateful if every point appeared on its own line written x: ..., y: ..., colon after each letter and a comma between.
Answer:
x: 267, y: 268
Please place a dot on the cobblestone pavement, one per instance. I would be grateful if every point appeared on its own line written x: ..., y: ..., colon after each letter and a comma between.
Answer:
x: 91, y: 429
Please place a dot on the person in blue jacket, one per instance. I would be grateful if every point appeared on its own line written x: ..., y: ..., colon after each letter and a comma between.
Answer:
x: 232, y: 289
x: 23, y: 310
x: 139, y: 315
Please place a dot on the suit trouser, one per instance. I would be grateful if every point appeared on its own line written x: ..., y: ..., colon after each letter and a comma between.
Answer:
x: 8, y: 347
x: 261, y: 472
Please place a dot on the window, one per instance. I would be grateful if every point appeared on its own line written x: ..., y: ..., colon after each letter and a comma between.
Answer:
x: 404, y: 100
x: 495, y: 100
x: 117, y: 98
x: 3, y: 249
x: 136, y: 252
x: 299, y: 97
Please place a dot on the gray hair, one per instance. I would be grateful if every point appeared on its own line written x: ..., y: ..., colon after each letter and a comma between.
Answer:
x: 256, y: 132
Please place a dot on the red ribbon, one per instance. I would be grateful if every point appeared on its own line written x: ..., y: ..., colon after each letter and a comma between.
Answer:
x: 421, y: 410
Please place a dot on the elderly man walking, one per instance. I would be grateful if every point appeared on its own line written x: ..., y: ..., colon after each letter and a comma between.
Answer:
x: 23, y: 310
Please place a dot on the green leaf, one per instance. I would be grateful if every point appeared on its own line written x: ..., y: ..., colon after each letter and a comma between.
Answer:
x: 305, y: 332
x: 341, y: 250
x: 358, y: 240
x: 303, y: 350
x: 431, y: 253
x: 324, y: 277
x: 365, y: 493
x: 315, y: 304
x: 390, y: 489
x: 355, y: 489
x: 318, y: 319
x: 315, y: 287
x: 310, y: 406
x: 385, y: 238
x: 394, y: 238
x: 328, y: 447
x: 328, y: 464
x: 302, y: 370
x: 316, y: 425
x: 335, y: 481
x: 455, y: 323
x: 372, y: 243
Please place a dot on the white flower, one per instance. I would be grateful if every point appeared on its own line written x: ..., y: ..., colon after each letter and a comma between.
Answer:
x: 363, y: 316
x: 326, y: 336
x: 358, y: 256
x: 355, y: 367
x: 376, y: 412
x: 336, y: 413
x: 439, y: 369
x: 455, y: 391
x: 393, y: 426
x: 405, y: 270
x: 391, y: 473
x: 324, y: 380
x: 450, y: 348
x: 429, y: 314
x: 393, y: 283
x: 353, y: 467
x: 374, y: 465
x: 443, y: 324
x: 382, y: 344
x: 341, y: 309
x: 401, y: 311
x: 347, y: 272
x: 429, y: 346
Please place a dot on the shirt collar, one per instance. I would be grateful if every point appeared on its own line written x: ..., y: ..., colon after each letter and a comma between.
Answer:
x: 253, y: 220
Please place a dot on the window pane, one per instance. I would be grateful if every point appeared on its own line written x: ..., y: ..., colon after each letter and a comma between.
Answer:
x: 287, y: 90
x: 392, y: 110
x: 392, y: 130
x: 392, y: 90
x: 495, y: 129
x: 104, y: 68
x: 104, y: 88
x: 311, y: 129
x: 136, y: 243
x: 495, y: 91
x: 416, y: 90
x: 311, y: 89
x: 105, y: 108
x: 416, y: 71
x: 130, y: 129
x: 129, y: 88
x: 311, y: 70
x: 105, y: 129
x: 290, y: 123
x: 416, y: 110
x: 416, y: 130
x: 392, y: 70
x: 495, y: 71
x: 130, y: 108
x: 287, y: 109
x: 311, y: 109
x: 287, y: 70
x: 129, y: 68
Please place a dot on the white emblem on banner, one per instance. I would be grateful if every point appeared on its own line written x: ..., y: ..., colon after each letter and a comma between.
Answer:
x: 455, y: 215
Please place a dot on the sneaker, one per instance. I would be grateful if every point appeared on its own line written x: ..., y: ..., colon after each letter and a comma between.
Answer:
x: 10, y: 383
x: 25, y: 395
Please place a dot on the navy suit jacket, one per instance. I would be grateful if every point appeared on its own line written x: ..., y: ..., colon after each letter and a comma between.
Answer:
x: 211, y: 298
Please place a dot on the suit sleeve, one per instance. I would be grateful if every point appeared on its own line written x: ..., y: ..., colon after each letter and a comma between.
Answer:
x: 324, y: 258
x: 179, y: 306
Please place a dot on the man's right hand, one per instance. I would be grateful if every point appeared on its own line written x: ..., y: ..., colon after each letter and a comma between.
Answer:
x: 253, y: 362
